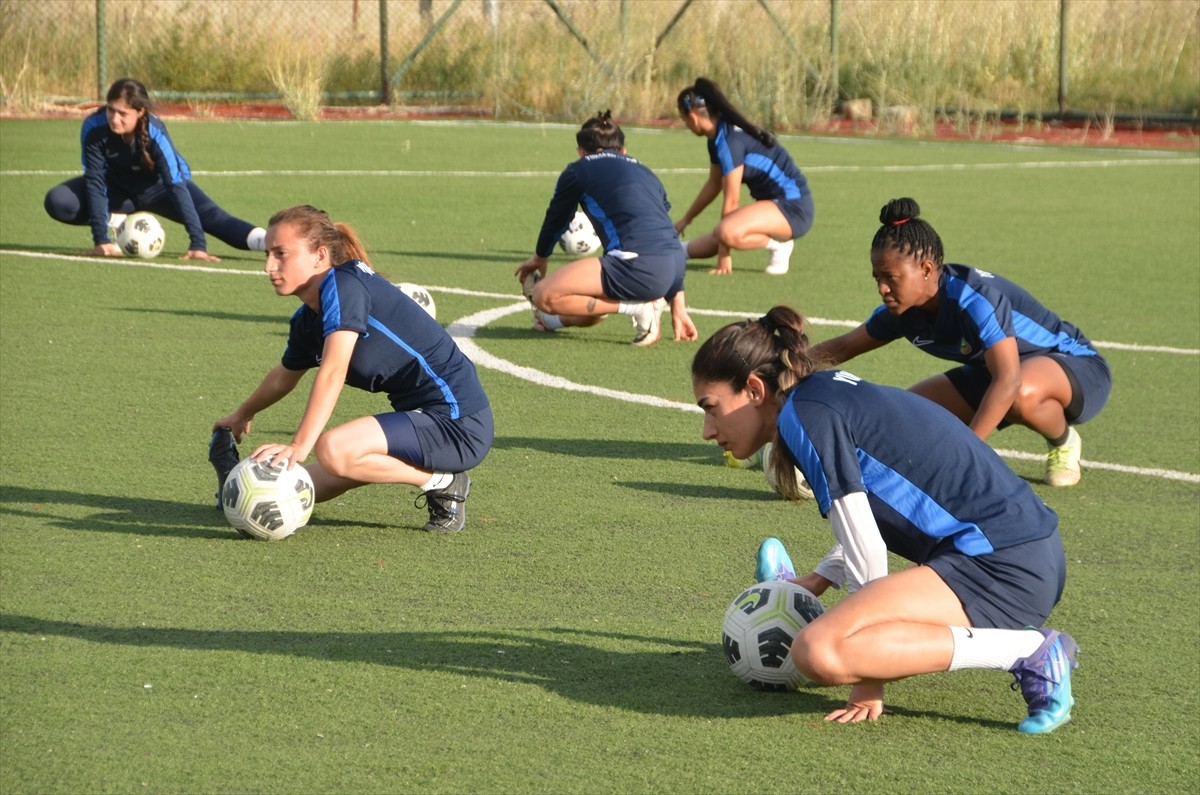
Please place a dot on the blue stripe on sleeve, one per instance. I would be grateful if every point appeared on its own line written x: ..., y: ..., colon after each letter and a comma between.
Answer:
x: 801, y: 447
x: 331, y: 305
x: 724, y: 156
x: 767, y: 166
x: 1042, y: 337
x: 978, y: 308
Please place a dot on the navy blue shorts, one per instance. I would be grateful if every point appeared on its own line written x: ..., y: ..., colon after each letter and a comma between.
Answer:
x: 1090, y: 377
x: 642, y: 278
x: 1010, y: 588
x: 798, y: 212
x: 431, y: 440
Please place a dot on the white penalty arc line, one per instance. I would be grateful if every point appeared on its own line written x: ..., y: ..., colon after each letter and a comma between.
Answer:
x: 463, y: 331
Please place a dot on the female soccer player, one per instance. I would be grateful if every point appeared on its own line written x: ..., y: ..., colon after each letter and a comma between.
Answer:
x: 358, y: 329
x: 642, y: 268
x: 989, y: 560
x: 129, y: 164
x: 1021, y: 363
x: 740, y: 152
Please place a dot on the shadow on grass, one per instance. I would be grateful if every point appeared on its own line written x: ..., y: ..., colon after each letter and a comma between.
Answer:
x: 672, y: 677
x: 140, y: 516
x: 281, y: 319
x: 614, y: 449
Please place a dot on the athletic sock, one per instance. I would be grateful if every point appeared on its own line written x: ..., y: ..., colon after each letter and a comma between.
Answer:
x: 438, y: 480
x: 551, y: 322
x: 1060, y: 441
x: 629, y: 307
x: 992, y: 648
x: 257, y: 239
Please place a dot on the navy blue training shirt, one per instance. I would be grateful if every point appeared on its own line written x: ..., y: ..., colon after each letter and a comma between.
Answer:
x: 108, y: 160
x: 927, y: 476
x: 401, y: 350
x: 769, y: 172
x: 977, y: 309
x: 624, y: 200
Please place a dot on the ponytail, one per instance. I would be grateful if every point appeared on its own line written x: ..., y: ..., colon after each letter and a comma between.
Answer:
x: 707, y: 96
x: 316, y: 229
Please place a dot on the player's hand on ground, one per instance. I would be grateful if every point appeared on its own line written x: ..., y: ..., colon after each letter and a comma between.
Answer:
x: 203, y: 256
x: 685, y: 329
x: 865, y: 703
x: 104, y: 250
x: 238, y: 427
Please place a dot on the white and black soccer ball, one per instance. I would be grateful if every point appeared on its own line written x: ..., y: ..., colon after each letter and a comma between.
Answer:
x: 759, y: 628
x: 422, y: 296
x: 267, y: 502
x: 580, y: 239
x: 141, y: 235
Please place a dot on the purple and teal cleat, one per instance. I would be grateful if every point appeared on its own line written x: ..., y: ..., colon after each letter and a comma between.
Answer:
x: 773, y: 562
x: 1044, y: 678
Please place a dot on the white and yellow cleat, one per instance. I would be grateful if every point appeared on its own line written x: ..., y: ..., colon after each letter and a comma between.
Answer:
x: 1062, y: 462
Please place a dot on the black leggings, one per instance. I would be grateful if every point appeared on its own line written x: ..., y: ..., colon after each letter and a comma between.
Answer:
x: 67, y: 203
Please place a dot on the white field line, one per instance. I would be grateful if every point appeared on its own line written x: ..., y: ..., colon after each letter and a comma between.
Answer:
x: 834, y: 169
x: 463, y: 331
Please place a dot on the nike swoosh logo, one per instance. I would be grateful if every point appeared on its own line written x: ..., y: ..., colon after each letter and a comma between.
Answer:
x: 970, y: 634
x: 920, y: 343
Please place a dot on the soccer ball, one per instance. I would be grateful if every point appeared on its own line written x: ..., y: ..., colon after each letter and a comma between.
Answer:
x: 141, y: 235
x: 422, y: 296
x: 580, y: 239
x: 759, y: 628
x: 764, y: 458
x: 267, y: 502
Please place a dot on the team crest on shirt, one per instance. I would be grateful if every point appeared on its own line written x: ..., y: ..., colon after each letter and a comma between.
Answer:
x: 964, y: 348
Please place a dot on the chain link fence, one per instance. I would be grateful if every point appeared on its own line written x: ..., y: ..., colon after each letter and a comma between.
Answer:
x: 788, y: 64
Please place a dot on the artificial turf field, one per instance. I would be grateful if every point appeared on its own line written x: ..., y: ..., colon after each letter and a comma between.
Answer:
x: 568, y: 639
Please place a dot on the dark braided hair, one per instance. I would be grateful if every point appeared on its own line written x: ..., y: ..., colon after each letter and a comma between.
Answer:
x: 707, y: 96
x: 600, y: 132
x: 134, y: 94
x: 905, y: 231
x: 774, y: 348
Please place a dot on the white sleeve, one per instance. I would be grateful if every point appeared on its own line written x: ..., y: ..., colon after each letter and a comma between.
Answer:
x: 833, y: 566
x: 864, y: 553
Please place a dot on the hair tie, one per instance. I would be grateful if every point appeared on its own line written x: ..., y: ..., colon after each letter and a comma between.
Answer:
x: 768, y: 324
x: 901, y: 221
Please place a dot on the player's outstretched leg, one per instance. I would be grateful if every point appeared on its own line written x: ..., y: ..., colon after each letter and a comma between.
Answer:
x: 773, y: 562
x: 1044, y: 678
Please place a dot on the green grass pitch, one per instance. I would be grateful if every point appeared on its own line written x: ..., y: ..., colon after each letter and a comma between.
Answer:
x: 568, y: 640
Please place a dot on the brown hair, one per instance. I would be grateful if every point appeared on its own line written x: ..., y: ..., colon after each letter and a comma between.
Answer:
x: 706, y: 96
x: 317, y: 229
x: 774, y: 348
x: 134, y: 94
x: 600, y: 132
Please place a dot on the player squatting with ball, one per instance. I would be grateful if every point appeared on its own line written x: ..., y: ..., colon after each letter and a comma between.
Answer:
x: 360, y: 330
x: 1020, y: 362
x: 989, y: 558
x: 642, y: 268
x: 130, y: 164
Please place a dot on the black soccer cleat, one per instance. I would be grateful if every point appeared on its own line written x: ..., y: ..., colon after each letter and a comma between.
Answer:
x: 223, y: 455
x: 448, y: 506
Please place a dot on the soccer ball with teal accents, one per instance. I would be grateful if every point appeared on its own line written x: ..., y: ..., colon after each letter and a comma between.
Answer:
x: 759, y: 628
x: 580, y: 239
x: 267, y: 502
x: 422, y: 296
x: 141, y: 235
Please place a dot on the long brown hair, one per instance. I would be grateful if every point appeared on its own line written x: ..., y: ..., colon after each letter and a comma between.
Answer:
x: 134, y: 94
x: 316, y: 229
x: 775, y: 348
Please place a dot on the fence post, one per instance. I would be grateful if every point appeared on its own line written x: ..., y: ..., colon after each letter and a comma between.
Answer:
x: 835, y: 9
x: 101, y: 51
x: 1062, y: 56
x: 385, y: 90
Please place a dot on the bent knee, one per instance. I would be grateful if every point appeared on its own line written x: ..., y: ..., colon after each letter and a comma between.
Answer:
x: 333, y: 456
x: 819, y: 660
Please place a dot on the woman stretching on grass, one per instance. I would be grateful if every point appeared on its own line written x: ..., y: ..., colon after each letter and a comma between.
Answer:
x: 742, y: 153
x: 129, y: 164
x: 989, y: 560
x: 641, y: 270
x: 356, y: 328
x: 1021, y: 363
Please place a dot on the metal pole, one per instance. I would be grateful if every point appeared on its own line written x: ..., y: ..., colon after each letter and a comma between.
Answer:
x: 1062, y: 56
x: 835, y: 12
x: 101, y: 51
x: 385, y: 90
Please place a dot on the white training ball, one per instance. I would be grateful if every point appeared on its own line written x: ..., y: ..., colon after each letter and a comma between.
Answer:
x: 580, y: 239
x: 759, y: 628
x: 422, y: 296
x: 764, y: 458
x: 267, y: 502
x: 141, y: 235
